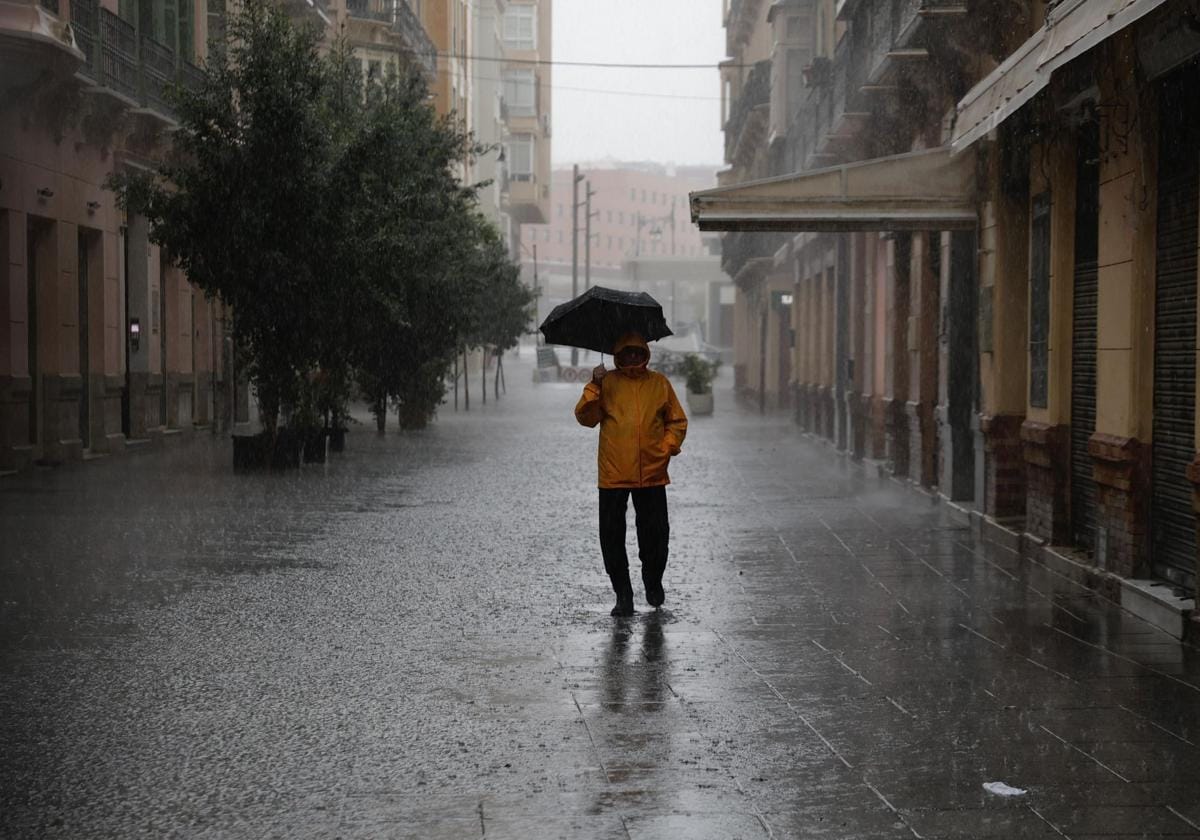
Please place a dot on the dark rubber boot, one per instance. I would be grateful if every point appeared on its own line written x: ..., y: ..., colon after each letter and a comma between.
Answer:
x: 624, y: 590
x: 655, y: 594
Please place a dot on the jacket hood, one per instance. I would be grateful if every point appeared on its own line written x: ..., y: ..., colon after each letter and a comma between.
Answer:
x: 631, y: 339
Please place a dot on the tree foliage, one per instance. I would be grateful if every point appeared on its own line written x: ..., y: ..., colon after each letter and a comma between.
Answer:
x: 327, y: 212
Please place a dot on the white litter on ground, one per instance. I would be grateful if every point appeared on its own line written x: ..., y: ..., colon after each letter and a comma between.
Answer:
x: 1001, y: 789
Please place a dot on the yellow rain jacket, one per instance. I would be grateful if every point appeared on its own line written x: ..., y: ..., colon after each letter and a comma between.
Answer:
x: 642, y: 424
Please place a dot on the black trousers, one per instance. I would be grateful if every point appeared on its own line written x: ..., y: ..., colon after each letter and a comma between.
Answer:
x: 653, y: 533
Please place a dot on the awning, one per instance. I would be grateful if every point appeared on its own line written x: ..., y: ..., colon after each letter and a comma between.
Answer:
x: 1071, y: 29
x: 925, y: 190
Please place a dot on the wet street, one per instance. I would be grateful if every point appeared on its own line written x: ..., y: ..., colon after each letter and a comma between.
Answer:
x: 413, y: 641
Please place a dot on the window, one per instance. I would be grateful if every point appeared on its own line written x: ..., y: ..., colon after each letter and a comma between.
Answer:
x: 609, y: 217
x: 374, y: 71
x: 632, y: 194
x: 560, y: 237
x: 560, y: 211
x: 653, y: 197
x: 643, y: 196
x: 520, y: 157
x: 1039, y: 302
x: 620, y: 217
x: 520, y: 92
x: 520, y: 27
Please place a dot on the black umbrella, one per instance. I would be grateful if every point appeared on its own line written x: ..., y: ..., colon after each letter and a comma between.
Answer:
x: 599, y: 316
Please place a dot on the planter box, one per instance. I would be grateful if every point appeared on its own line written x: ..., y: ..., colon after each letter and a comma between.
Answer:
x: 314, y: 445
x: 252, y: 452
x: 700, y: 404
x: 337, y: 440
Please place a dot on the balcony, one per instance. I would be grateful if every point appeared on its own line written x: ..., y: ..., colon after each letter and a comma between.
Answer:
x: 526, y: 199
x: 830, y: 123
x: 316, y: 9
x: 380, y: 10
x: 746, y: 255
x: 743, y: 14
x: 118, y: 56
x: 748, y: 118
x: 404, y: 22
x: 34, y: 38
x: 416, y: 39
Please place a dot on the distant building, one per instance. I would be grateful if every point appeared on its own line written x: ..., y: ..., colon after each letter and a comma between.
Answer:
x: 525, y: 108
x: 641, y: 237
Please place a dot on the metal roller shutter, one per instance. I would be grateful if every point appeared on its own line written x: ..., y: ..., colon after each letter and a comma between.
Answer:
x: 1173, y: 523
x: 1085, y: 298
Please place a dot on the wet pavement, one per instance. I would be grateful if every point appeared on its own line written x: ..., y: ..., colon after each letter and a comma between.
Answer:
x: 413, y: 641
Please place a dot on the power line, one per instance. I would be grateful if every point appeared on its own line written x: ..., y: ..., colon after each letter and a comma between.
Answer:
x: 603, y: 64
x: 681, y: 96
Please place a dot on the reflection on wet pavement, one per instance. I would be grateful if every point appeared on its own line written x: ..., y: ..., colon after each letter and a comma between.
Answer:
x: 414, y: 641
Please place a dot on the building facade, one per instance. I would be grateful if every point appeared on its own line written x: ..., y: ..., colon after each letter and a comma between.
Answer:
x: 103, y: 342
x: 641, y: 238
x: 526, y: 72
x: 983, y: 243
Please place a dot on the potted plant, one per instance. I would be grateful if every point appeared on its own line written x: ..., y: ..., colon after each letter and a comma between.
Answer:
x: 699, y: 374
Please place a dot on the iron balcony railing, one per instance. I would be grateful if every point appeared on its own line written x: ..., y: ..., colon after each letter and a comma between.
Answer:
x: 118, y: 55
x: 416, y: 39
x: 158, y: 73
x: 381, y: 10
x: 85, y: 22
x: 756, y: 91
x: 405, y: 22
x: 140, y: 69
x: 191, y: 77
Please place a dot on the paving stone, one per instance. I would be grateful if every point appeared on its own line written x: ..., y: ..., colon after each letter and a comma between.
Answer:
x: 413, y: 641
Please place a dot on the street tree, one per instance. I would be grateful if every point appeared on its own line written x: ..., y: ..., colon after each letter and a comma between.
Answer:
x: 237, y: 201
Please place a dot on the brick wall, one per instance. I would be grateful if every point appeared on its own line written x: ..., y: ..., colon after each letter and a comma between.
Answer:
x: 1046, y: 492
x: 1004, y: 466
x: 1122, y: 473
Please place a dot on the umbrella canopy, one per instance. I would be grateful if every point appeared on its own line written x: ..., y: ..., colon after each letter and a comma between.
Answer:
x: 599, y: 316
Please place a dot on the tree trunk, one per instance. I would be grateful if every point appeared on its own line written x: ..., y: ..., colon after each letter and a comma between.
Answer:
x: 483, y: 372
x: 496, y: 382
x: 500, y: 371
x: 466, y: 382
x: 380, y: 413
x: 456, y: 382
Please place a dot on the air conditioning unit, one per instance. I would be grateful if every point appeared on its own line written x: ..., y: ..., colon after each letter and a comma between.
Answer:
x: 545, y: 125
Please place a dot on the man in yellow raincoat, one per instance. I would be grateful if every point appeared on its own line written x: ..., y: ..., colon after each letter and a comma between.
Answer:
x: 642, y: 426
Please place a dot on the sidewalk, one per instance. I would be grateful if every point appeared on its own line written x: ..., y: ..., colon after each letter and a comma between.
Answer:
x: 413, y: 641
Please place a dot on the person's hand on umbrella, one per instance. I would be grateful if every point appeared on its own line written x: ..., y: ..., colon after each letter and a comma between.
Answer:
x: 598, y: 373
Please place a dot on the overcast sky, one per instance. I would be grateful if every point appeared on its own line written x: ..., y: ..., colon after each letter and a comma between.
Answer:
x: 589, y: 125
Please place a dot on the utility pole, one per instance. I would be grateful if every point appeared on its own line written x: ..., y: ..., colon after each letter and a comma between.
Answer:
x: 587, y: 242
x: 575, y: 178
x: 672, y: 226
x: 537, y: 289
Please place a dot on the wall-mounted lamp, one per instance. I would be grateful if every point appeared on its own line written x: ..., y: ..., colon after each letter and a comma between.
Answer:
x: 45, y: 192
x: 92, y: 207
x: 135, y: 334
